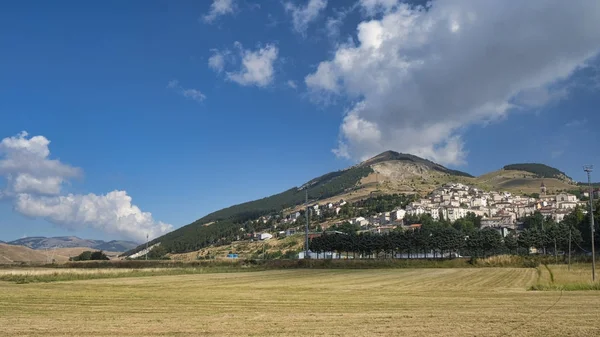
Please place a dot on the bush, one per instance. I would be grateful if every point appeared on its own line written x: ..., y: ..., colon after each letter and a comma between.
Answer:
x: 90, y: 256
x: 506, y: 261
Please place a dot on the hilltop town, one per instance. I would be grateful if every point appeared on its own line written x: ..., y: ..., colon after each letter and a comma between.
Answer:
x: 450, y: 202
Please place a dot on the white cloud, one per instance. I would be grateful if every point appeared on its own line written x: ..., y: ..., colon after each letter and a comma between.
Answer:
x: 325, y: 78
x: 111, y: 213
x: 34, y: 183
x: 219, y: 8
x: 25, y: 164
x: 334, y: 23
x: 422, y: 74
x: 193, y: 94
x: 302, y: 16
x: 576, y: 123
x: 217, y: 61
x: 292, y: 84
x: 257, y: 67
x: 372, y: 7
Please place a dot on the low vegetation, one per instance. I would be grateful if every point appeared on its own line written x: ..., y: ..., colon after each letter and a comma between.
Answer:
x: 565, y: 278
x: 90, y: 256
x: 60, y: 275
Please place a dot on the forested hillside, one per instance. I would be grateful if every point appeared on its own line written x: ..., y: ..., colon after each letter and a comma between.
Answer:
x: 224, y: 223
x: 326, y: 186
x: 541, y: 170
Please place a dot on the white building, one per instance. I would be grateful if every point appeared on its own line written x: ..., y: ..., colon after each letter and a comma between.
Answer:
x: 565, y: 197
x: 567, y: 205
x: 397, y: 214
x: 360, y: 221
x: 265, y: 236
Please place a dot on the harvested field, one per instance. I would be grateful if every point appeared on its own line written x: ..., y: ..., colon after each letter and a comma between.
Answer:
x: 393, y: 302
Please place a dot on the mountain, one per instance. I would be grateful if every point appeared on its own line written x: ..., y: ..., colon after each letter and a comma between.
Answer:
x: 388, y: 172
x: 40, y: 242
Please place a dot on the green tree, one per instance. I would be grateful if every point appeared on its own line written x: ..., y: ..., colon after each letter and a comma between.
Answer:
x: 511, y: 242
x: 98, y: 255
x: 89, y: 255
x: 346, y: 227
x: 534, y: 221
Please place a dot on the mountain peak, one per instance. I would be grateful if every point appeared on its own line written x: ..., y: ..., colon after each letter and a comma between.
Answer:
x: 397, y: 156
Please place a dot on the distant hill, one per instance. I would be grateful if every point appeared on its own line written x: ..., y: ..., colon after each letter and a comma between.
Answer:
x: 540, y: 170
x: 16, y: 254
x: 585, y: 185
x: 41, y: 242
x: 522, y: 182
x: 10, y: 254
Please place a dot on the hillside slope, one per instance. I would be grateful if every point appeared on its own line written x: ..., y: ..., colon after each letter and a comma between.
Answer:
x: 10, y: 254
x: 523, y: 182
x: 17, y: 254
x: 539, y: 170
x: 360, y: 178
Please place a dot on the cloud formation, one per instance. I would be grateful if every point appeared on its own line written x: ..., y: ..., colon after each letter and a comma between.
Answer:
x: 219, y: 8
x: 420, y: 74
x: 256, y: 67
x: 193, y: 94
x: 217, y: 61
x: 302, y: 16
x: 25, y: 164
x: 292, y: 84
x: 34, y: 183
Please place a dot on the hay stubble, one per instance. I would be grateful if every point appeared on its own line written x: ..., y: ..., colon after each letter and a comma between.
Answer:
x: 416, y: 302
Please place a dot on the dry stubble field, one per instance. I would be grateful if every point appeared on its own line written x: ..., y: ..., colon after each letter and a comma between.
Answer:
x: 393, y: 302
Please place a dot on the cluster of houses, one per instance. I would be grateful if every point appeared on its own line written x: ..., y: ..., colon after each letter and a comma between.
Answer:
x: 453, y: 201
x: 498, y: 209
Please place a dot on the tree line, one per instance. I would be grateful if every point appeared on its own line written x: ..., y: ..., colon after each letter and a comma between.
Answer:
x: 464, y: 237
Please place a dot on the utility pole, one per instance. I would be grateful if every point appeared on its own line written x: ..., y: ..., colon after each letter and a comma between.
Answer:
x: 589, y: 169
x: 555, y: 252
x: 569, y: 248
x: 544, y: 235
x: 306, y: 229
x: 147, y: 247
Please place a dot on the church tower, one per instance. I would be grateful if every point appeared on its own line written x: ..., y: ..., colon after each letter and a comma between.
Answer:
x: 542, y: 189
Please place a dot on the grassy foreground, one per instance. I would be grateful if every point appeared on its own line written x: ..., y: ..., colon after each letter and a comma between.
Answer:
x: 559, y: 277
x: 302, y: 302
x: 90, y: 270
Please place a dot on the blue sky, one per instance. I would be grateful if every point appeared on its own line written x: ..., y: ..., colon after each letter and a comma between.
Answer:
x: 189, y: 106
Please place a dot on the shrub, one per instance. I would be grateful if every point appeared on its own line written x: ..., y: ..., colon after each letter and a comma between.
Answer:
x: 90, y: 256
